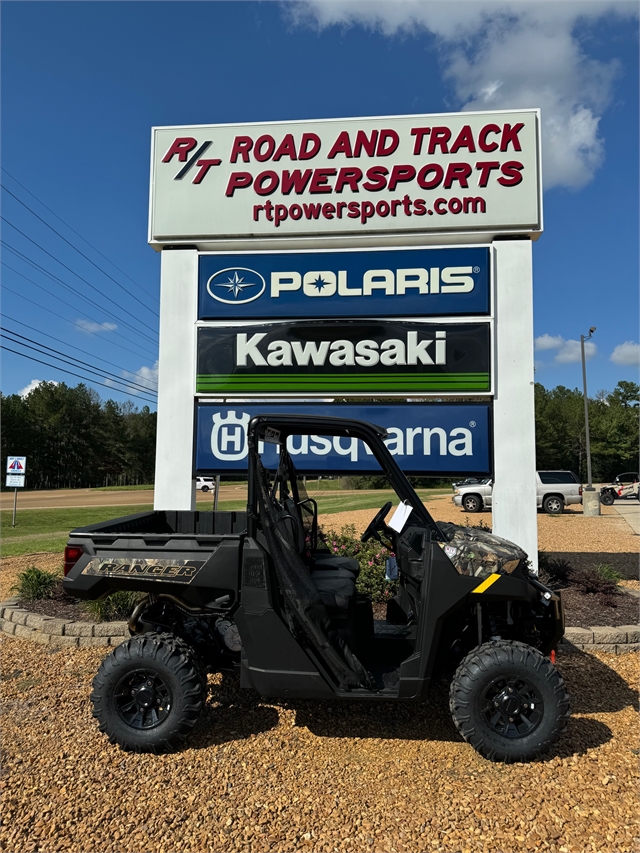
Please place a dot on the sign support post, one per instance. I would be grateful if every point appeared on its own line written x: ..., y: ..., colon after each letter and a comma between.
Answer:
x: 174, y: 483
x: 514, y: 435
x: 15, y: 506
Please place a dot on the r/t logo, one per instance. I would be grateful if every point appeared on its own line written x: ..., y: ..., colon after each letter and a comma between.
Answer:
x: 182, y: 146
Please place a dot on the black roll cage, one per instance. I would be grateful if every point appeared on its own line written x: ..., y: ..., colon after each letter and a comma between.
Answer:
x: 372, y: 435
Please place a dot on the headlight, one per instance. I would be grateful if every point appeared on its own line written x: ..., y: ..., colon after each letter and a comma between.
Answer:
x: 456, y: 491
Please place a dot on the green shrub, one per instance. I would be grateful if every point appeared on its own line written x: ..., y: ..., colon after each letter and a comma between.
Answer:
x: 607, y: 572
x: 35, y: 583
x: 115, y: 607
x: 590, y: 581
x: 372, y: 557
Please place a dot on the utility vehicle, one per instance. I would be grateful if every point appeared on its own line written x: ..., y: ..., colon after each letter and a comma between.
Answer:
x: 258, y: 593
x: 624, y: 486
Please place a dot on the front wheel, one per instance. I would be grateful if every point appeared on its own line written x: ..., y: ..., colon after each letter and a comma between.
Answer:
x: 508, y: 701
x: 204, y: 488
x: 472, y: 503
x: 606, y: 499
x: 148, y: 693
x: 553, y: 505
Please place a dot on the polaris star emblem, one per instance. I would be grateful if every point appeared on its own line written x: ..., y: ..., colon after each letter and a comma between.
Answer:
x: 236, y: 285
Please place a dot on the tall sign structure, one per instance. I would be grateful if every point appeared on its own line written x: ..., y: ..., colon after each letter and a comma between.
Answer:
x: 363, y: 257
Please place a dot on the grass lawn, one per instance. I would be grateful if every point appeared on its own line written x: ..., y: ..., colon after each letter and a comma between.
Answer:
x: 48, y: 529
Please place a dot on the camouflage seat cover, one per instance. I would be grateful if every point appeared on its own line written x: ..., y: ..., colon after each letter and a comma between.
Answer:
x: 478, y: 553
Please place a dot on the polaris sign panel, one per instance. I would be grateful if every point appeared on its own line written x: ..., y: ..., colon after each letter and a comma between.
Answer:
x: 457, y: 173
x: 425, y: 439
x: 372, y: 283
x: 356, y: 357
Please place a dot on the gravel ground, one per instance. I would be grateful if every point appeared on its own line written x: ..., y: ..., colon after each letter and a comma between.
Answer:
x: 261, y: 776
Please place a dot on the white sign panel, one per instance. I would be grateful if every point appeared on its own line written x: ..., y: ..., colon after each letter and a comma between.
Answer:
x: 15, y: 481
x: 16, y: 464
x: 358, y: 177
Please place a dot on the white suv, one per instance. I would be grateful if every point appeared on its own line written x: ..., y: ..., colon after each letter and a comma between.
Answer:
x: 205, y: 484
x: 555, y: 490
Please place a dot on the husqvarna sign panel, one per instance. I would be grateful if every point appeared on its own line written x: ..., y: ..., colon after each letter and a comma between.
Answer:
x: 352, y: 283
x: 423, y: 438
x: 354, y: 357
x: 458, y: 172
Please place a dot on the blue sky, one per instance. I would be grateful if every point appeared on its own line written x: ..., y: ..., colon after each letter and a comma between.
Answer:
x: 83, y: 83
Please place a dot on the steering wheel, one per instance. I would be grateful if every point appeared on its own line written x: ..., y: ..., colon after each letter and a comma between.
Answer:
x: 375, y: 523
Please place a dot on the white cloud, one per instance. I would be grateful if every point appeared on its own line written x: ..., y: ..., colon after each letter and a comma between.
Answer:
x: 146, y: 376
x: 506, y: 55
x: 568, y: 351
x: 545, y: 342
x: 34, y: 384
x: 627, y: 353
x: 92, y: 327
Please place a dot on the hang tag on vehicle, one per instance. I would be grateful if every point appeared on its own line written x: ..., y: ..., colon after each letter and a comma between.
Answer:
x: 271, y: 436
x: 400, y: 516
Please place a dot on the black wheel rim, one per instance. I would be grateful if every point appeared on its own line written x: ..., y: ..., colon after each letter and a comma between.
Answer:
x: 143, y: 700
x: 512, y: 707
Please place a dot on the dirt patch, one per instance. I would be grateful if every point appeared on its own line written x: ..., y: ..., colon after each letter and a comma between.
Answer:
x: 260, y: 775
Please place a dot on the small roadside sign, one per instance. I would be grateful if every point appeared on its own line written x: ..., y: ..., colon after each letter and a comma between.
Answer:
x: 15, y: 481
x: 16, y: 464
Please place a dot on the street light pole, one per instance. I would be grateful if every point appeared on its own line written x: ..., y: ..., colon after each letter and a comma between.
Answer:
x: 591, y: 500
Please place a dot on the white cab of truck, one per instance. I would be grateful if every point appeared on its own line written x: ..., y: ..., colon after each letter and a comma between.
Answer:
x: 555, y: 490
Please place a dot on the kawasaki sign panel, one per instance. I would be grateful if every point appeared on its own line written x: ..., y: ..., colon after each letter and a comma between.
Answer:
x: 356, y: 357
x: 395, y: 175
x: 425, y: 439
x: 371, y: 283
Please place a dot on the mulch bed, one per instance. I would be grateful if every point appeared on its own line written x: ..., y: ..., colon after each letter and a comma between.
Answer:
x: 583, y: 610
x: 60, y: 606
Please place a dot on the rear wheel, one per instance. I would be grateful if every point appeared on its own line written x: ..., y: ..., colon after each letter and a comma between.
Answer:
x: 204, y: 488
x: 508, y: 701
x: 472, y: 503
x: 553, y: 505
x: 149, y: 692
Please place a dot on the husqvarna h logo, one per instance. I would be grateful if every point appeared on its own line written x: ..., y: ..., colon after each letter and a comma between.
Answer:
x: 236, y: 285
x: 229, y: 436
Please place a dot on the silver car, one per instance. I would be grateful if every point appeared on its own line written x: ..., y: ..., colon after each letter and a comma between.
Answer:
x: 555, y: 490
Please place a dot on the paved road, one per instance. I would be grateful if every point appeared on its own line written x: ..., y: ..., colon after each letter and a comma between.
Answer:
x: 630, y: 511
x: 66, y: 498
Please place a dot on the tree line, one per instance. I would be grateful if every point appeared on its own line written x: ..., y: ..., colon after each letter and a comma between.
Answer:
x: 73, y: 439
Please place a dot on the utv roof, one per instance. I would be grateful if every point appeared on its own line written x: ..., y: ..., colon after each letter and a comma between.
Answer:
x: 295, y: 424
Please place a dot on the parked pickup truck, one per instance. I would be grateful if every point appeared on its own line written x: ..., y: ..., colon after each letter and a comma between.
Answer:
x: 555, y: 490
x: 258, y: 593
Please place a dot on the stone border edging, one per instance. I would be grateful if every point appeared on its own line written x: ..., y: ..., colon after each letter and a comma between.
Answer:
x: 620, y: 640
x: 48, y: 630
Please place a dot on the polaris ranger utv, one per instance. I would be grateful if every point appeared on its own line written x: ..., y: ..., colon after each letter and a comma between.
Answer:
x: 258, y: 593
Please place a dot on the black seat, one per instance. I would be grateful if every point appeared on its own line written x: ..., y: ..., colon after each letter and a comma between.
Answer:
x: 326, y: 560
x: 337, y: 590
x: 333, y: 575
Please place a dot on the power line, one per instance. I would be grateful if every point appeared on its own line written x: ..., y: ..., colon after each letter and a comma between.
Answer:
x: 142, y: 351
x: 42, y: 249
x: 72, y: 289
x: 84, y: 240
x: 99, y: 371
x: 75, y: 248
x: 71, y: 373
x: 59, y: 340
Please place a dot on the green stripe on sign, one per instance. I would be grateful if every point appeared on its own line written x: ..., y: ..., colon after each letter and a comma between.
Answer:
x: 344, y: 382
